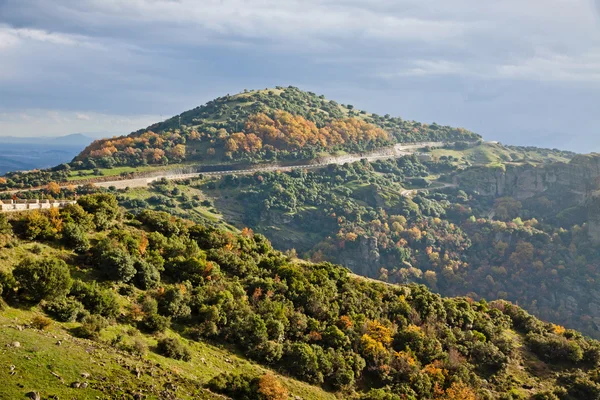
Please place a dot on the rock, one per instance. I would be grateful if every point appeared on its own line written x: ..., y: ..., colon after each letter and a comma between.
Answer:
x: 203, y: 360
x: 15, y: 344
x: 34, y: 395
x: 12, y: 367
x: 75, y: 385
x: 59, y: 342
x: 84, y: 385
x: 85, y: 375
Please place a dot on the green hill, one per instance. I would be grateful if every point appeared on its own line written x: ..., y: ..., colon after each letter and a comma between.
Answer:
x: 156, y: 306
x: 262, y: 125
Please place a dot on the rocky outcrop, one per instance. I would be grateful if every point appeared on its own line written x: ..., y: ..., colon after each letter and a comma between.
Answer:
x: 594, y: 217
x: 362, y: 257
x: 580, y: 178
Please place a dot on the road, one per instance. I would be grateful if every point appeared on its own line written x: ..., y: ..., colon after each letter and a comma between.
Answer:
x: 399, y: 150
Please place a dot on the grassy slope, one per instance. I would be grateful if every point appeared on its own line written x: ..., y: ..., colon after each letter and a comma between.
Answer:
x: 112, y: 372
x: 493, y: 153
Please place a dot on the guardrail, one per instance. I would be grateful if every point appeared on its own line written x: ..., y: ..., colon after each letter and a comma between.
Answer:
x: 28, y: 205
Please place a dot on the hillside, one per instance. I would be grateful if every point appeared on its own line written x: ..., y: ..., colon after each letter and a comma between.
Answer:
x: 405, y: 221
x: 262, y: 125
x: 156, y: 306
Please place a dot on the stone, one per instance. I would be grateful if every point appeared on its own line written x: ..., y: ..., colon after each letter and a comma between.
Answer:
x: 34, y: 395
x: 15, y: 344
x: 85, y: 375
x: 75, y: 385
x: 84, y: 385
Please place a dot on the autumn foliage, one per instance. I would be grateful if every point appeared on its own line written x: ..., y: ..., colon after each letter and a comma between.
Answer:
x: 284, y: 131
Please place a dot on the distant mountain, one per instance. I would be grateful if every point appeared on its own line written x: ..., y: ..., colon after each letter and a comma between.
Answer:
x: 27, y: 153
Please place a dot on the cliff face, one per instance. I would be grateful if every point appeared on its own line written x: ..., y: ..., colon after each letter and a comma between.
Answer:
x: 580, y: 178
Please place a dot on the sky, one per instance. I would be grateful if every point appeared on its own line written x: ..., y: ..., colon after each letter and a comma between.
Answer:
x: 520, y: 72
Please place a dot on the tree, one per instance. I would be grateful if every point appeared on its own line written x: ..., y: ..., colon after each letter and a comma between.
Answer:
x: 173, y: 348
x: 43, y: 279
x: 104, y: 208
x: 53, y: 188
x: 113, y: 261
x: 271, y: 388
x: 38, y: 226
x: 75, y: 237
x: 5, y: 227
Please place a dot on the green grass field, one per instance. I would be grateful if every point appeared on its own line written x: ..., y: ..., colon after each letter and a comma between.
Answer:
x: 40, y: 364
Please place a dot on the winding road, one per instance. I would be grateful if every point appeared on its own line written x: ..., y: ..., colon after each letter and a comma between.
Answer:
x: 396, y: 151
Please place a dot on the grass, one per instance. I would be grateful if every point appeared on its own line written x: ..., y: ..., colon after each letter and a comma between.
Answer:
x: 112, y: 371
x: 495, y: 153
x: 88, y: 173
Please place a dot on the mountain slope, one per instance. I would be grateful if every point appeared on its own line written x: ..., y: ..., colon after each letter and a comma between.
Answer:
x: 263, y: 125
x: 155, y: 294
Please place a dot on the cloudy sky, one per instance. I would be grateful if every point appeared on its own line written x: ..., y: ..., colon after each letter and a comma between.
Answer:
x: 522, y: 72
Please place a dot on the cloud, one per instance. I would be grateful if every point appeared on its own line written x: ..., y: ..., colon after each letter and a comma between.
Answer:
x: 11, y: 37
x: 465, y: 62
x: 82, y: 116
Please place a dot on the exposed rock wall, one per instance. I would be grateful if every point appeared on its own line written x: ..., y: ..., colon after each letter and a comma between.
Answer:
x: 580, y: 178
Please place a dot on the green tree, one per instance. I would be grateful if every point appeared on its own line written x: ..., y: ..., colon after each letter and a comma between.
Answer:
x: 43, y: 279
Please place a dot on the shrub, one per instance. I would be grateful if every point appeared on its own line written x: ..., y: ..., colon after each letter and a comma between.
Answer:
x: 173, y: 348
x: 103, y: 207
x: 138, y: 347
x: 95, y: 299
x: 113, y: 261
x: 40, y: 322
x: 65, y: 309
x: 154, y: 323
x: 75, y: 237
x: 236, y: 386
x: 91, y: 327
x: 43, y: 279
x: 555, y: 348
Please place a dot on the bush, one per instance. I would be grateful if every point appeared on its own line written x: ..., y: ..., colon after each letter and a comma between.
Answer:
x: 555, y: 348
x: 43, y: 279
x: 154, y: 323
x: 75, y: 237
x: 113, y: 261
x: 235, y: 386
x: 91, y: 327
x: 65, y: 309
x: 138, y: 347
x: 173, y: 348
x: 95, y: 299
x: 248, y: 387
x: 40, y: 322
x: 103, y: 207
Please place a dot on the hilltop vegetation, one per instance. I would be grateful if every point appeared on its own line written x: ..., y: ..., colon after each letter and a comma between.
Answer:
x: 266, y: 125
x: 154, y: 278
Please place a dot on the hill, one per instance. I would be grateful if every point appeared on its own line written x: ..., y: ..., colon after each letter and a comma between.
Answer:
x: 262, y: 125
x: 150, y: 305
